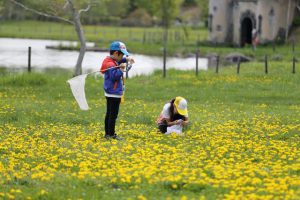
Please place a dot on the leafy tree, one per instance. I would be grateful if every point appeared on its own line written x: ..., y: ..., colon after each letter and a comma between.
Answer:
x: 8, y: 11
x: 132, y: 6
x: 203, y: 4
x: 117, y: 8
x: 150, y: 6
x: 1, y: 8
x: 168, y: 10
x: 189, y: 3
x: 161, y: 9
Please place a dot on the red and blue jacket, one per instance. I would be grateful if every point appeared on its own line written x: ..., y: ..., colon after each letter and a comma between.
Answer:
x: 113, y: 83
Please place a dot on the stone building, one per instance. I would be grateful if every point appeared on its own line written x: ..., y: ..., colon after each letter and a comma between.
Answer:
x: 233, y: 21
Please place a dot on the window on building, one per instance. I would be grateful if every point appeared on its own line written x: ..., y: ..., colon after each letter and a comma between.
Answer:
x: 210, y: 22
x: 260, y: 18
x: 215, y: 8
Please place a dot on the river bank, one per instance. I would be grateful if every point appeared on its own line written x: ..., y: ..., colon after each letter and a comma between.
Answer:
x: 14, y: 54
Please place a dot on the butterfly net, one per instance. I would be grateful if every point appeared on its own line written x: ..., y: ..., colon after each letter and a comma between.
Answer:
x: 77, y: 86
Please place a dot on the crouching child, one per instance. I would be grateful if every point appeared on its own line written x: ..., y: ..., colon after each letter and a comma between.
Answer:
x: 173, y: 117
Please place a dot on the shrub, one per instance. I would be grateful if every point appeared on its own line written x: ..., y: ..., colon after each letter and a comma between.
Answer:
x: 139, y: 17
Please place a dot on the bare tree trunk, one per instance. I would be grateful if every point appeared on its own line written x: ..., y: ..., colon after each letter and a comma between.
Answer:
x: 76, y: 22
x: 80, y: 34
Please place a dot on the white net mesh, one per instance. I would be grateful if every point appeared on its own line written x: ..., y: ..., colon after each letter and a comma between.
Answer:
x: 77, y: 86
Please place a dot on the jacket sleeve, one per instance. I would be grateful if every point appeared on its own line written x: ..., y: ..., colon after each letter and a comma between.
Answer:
x: 115, y: 74
x: 123, y: 60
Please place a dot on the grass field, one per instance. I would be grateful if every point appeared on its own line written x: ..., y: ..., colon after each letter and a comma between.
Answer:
x: 143, y: 40
x: 135, y: 38
x: 242, y: 143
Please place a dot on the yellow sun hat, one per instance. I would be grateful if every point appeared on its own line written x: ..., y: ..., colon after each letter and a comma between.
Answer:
x: 181, y: 105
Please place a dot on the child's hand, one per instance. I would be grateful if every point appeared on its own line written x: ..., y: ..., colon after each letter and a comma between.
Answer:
x: 130, y: 60
x: 178, y: 122
x: 184, y: 123
x: 122, y: 66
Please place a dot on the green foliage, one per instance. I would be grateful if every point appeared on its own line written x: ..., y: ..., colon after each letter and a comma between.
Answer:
x: 189, y: 3
x: 32, y: 79
x: 1, y: 7
x: 296, y: 21
x: 168, y: 11
x: 138, y: 18
x: 104, y: 11
x: 203, y: 4
x: 117, y: 8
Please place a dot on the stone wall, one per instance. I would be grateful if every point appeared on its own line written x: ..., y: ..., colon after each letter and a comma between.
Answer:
x: 229, y: 20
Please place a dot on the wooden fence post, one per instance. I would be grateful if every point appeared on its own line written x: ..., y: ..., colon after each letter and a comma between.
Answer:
x: 294, y: 65
x: 217, y: 63
x: 197, y: 63
x: 238, y: 65
x: 266, y: 64
x: 165, y: 61
x: 29, y: 59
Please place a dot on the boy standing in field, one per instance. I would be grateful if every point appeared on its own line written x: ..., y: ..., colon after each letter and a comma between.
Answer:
x: 112, y: 68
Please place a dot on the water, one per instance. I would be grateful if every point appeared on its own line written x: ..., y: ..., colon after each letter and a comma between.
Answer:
x: 14, y: 54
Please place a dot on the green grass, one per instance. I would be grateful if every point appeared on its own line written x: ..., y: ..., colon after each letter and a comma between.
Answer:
x: 136, y: 38
x: 252, y: 86
x: 142, y: 40
x: 244, y: 129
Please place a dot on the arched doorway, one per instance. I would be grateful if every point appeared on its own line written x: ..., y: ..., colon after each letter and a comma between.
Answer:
x: 246, y: 31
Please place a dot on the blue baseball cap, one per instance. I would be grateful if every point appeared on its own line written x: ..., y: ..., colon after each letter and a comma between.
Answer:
x: 118, y: 46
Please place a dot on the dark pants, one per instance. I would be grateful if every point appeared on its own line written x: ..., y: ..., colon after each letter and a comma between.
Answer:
x: 162, y: 127
x: 112, y: 110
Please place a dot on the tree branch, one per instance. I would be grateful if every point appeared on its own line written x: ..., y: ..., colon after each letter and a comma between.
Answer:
x: 88, y: 7
x: 84, y: 10
x: 41, y: 13
x: 66, y: 5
